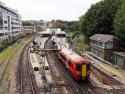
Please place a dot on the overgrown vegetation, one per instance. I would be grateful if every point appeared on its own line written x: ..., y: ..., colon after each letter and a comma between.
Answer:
x: 119, y: 24
x: 104, y: 17
x: 69, y: 26
x: 100, y: 18
x: 5, y: 44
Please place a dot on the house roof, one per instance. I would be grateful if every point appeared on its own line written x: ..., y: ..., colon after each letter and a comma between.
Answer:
x: 60, y: 32
x: 102, y: 37
x: 120, y: 53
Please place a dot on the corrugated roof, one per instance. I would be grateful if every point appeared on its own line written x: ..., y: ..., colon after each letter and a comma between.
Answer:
x: 102, y: 37
x: 120, y: 53
x: 60, y: 32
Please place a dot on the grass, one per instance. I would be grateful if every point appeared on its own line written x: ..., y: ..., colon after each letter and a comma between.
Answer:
x: 1, y: 93
x: 9, y: 49
x: 10, y: 73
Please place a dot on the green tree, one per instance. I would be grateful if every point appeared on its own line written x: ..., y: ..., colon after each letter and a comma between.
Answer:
x: 99, y: 18
x: 119, y: 24
x: 69, y: 26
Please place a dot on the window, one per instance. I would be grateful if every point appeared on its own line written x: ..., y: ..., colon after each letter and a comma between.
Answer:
x: 1, y: 20
x: 88, y: 67
x: 109, y: 45
x: 6, y: 28
x: 36, y: 69
x: 100, y: 43
x: 1, y: 34
x: 63, y: 57
x: 96, y: 43
x: 5, y: 22
x: 78, y: 67
x: 46, y: 68
x: 70, y: 63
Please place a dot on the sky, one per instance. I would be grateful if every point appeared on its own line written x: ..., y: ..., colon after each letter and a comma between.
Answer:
x: 50, y: 9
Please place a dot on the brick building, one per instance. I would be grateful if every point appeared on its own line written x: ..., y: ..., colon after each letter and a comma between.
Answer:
x: 103, y: 45
x: 55, y: 24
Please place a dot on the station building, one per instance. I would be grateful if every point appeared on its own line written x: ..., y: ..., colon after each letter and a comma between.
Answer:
x: 103, y: 45
x: 28, y: 29
x: 10, y: 22
x: 49, y: 31
x: 107, y: 48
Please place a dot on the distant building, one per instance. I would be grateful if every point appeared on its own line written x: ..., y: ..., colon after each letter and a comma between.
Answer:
x: 42, y: 25
x: 39, y: 28
x: 55, y: 24
x: 49, y: 31
x: 49, y: 25
x: 28, y: 29
x: 103, y: 45
x: 10, y: 21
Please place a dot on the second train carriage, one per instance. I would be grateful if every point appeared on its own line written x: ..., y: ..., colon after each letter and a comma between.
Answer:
x: 78, y: 66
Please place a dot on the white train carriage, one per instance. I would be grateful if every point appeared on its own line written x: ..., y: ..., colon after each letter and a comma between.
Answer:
x: 35, y: 64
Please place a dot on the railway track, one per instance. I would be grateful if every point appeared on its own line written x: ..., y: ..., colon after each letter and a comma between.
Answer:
x: 6, y: 61
x: 109, y: 80
x: 81, y: 87
x: 58, y: 83
x: 26, y: 78
x: 69, y: 83
x: 63, y: 80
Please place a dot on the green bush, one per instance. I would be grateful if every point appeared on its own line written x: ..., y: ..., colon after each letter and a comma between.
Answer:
x: 5, y: 44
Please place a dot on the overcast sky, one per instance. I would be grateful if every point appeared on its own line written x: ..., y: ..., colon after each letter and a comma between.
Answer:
x: 50, y: 9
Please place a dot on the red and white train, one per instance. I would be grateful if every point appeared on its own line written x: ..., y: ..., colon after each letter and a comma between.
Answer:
x: 77, y: 65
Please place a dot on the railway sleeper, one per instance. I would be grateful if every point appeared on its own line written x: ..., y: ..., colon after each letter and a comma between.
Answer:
x: 60, y: 82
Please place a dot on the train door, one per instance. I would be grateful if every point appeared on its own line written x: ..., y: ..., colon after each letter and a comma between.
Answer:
x: 81, y: 69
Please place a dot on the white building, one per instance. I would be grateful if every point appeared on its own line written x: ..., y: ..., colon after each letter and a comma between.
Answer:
x: 10, y: 21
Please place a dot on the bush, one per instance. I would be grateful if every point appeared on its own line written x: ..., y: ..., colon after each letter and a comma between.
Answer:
x: 5, y: 44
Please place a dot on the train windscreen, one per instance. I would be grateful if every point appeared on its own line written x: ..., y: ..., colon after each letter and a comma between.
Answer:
x: 78, y: 68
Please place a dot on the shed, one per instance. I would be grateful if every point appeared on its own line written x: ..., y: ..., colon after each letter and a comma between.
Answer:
x: 119, y: 59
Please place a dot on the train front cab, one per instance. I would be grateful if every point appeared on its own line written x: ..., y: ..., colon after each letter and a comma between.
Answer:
x: 83, y: 70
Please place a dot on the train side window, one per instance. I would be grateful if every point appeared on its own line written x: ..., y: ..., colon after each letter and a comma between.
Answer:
x: 46, y: 68
x: 88, y: 66
x: 63, y: 57
x: 70, y: 64
x: 36, y: 69
x: 78, y: 67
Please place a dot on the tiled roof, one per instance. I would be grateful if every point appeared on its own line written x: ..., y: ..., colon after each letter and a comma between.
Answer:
x: 102, y: 37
